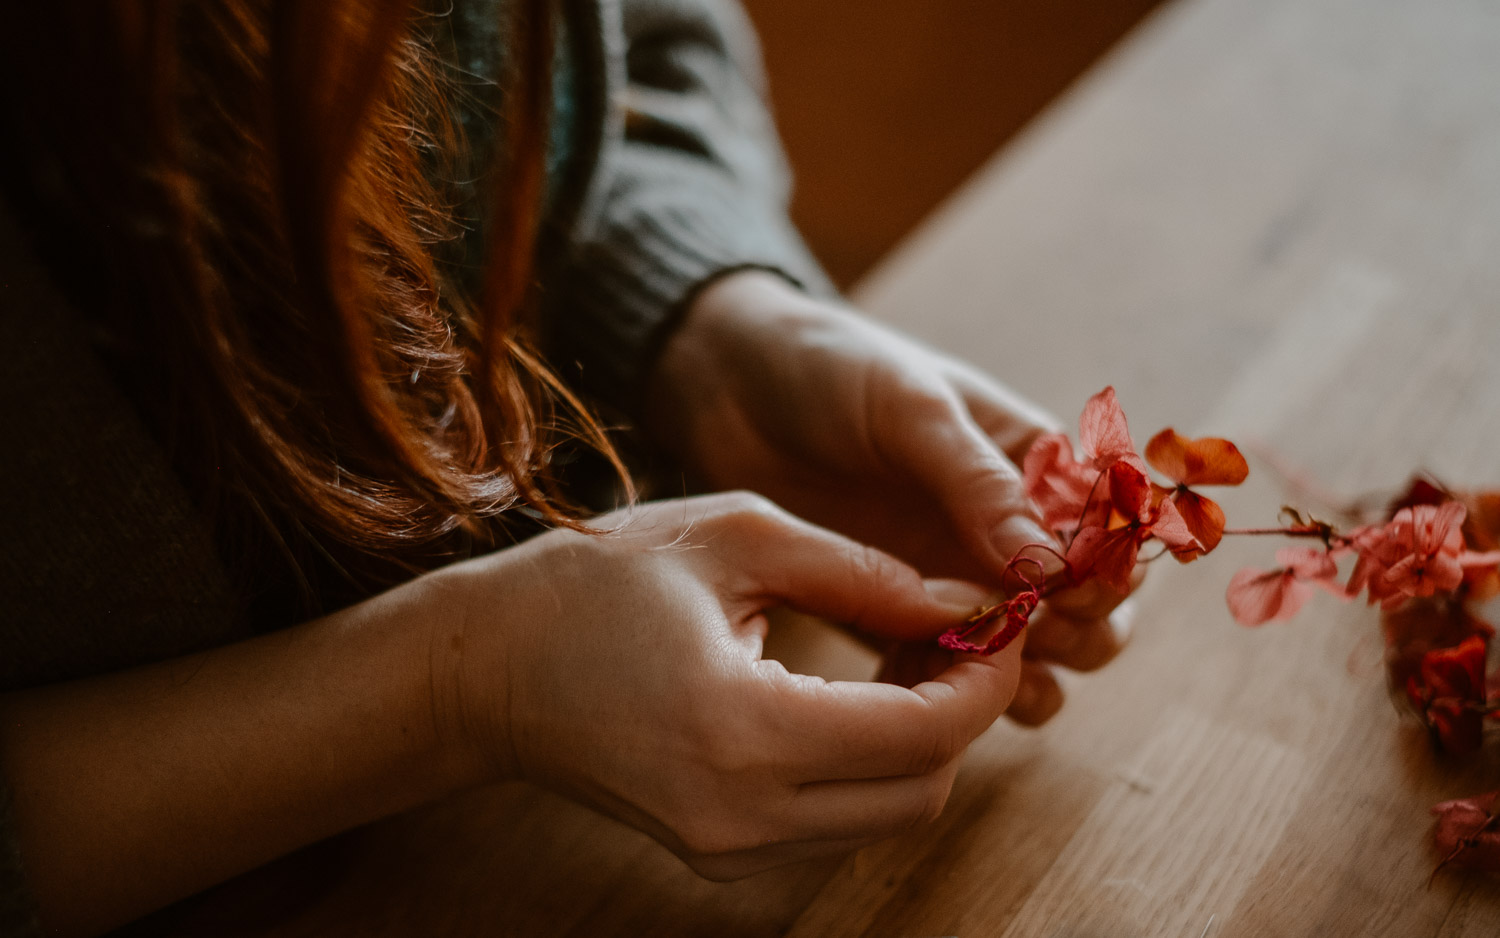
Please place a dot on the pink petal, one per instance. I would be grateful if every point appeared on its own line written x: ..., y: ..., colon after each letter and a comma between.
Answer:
x: 1170, y: 528
x: 1308, y: 563
x: 1259, y: 596
x: 1444, y: 571
x: 1438, y: 529
x: 1472, y: 560
x: 1056, y: 483
x: 1102, y: 430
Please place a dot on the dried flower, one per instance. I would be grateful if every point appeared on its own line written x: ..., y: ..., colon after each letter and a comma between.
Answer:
x: 1205, y: 461
x: 1468, y: 832
x: 1448, y: 693
x: 1259, y: 596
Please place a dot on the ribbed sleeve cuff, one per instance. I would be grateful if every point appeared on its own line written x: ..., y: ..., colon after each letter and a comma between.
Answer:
x: 623, y: 294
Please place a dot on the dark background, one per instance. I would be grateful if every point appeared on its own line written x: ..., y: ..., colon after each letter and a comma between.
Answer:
x: 887, y: 105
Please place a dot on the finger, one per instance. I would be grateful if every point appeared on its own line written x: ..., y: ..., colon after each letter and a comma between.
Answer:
x: 782, y: 559
x: 907, y: 664
x: 844, y: 729
x: 910, y: 663
x: 1009, y: 419
x: 1038, y: 695
x: 936, y: 441
x: 1079, y: 644
x: 902, y: 662
x: 1093, y: 599
x: 877, y: 807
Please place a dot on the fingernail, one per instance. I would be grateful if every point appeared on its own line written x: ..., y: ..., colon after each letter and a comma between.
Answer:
x: 1016, y: 532
x: 1122, y: 621
x: 962, y: 596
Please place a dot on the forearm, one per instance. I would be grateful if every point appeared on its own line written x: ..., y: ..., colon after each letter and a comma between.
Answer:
x: 137, y: 788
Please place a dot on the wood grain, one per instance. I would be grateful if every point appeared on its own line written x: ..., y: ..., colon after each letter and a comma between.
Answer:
x: 1274, y: 220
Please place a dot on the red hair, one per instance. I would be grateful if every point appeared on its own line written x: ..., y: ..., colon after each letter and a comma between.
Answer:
x: 255, y: 177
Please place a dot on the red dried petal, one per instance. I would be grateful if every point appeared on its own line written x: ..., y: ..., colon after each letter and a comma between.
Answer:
x: 1418, y: 492
x: 1421, y: 626
x: 1204, y: 461
x: 1457, y: 671
x: 1108, y: 555
x: 1467, y: 834
x: 1448, y: 692
x: 1129, y: 489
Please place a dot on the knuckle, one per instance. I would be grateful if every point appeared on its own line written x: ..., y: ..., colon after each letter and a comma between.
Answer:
x: 941, y: 746
x: 750, y: 510
x: 869, y: 565
x: 1004, y: 487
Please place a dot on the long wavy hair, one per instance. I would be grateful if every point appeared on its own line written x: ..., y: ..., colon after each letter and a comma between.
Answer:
x: 248, y: 185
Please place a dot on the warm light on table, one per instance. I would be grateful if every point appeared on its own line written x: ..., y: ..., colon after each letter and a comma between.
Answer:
x: 1272, y: 220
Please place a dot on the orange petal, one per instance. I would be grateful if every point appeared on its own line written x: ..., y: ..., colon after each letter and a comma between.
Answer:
x: 1204, y: 461
x: 1102, y: 431
x: 1203, y: 517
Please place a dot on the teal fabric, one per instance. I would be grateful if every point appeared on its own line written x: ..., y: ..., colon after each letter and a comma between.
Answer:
x: 469, y: 36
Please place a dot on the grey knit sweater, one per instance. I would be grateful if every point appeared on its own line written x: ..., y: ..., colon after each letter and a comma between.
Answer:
x: 672, y: 177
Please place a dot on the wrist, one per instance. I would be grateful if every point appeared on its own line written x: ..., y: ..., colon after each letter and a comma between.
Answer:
x: 466, y: 690
x: 719, y: 337
x: 753, y: 294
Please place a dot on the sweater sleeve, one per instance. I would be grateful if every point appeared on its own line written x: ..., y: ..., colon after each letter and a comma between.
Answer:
x: 697, y: 187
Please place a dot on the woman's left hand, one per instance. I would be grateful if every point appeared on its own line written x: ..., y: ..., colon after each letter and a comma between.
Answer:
x: 860, y: 429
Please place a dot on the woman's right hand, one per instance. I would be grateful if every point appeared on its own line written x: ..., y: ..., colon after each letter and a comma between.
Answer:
x: 630, y: 677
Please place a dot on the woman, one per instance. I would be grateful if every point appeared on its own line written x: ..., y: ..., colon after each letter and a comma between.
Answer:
x: 280, y: 451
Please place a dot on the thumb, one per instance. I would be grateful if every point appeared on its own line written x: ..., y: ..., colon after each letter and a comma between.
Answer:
x: 785, y: 560
x: 938, y: 443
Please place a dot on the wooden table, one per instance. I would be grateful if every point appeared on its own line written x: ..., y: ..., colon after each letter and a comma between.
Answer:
x: 1273, y: 220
